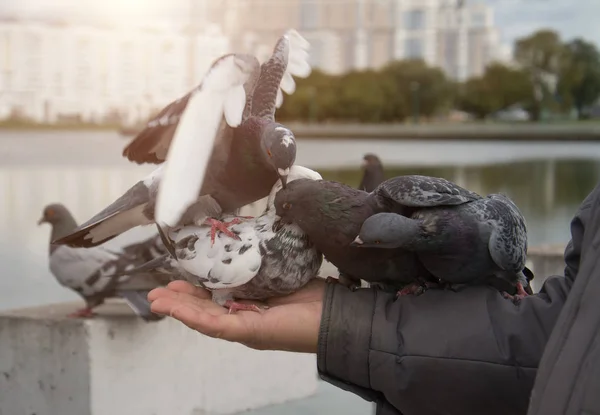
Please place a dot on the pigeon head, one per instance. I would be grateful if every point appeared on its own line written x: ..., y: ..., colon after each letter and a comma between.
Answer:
x: 279, y: 147
x: 370, y: 160
x: 296, y: 172
x: 295, y: 201
x: 387, y: 230
x: 55, y: 214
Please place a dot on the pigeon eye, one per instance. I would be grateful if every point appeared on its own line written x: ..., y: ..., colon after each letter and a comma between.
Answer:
x: 269, y: 153
x: 49, y: 213
x: 377, y: 242
x: 287, y: 206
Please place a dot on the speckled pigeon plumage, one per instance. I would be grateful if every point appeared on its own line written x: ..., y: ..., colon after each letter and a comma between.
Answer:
x: 373, y: 174
x: 247, y: 150
x: 332, y: 213
x: 98, y: 273
x: 269, y: 259
x: 478, y: 241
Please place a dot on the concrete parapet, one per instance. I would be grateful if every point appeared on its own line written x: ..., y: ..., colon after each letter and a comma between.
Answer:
x: 118, y: 364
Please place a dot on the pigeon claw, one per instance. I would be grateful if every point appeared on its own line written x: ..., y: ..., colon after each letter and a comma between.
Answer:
x: 83, y: 313
x: 411, y: 289
x: 217, y: 225
x: 235, y: 306
x: 521, y: 293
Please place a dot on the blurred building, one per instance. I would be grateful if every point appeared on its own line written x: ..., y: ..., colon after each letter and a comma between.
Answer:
x: 458, y: 36
x: 51, y: 71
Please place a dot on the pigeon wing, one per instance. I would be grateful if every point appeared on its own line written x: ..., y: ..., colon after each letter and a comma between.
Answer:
x: 508, y: 240
x: 414, y: 191
x: 152, y: 143
x: 289, y: 59
x: 128, y: 211
x: 221, y: 96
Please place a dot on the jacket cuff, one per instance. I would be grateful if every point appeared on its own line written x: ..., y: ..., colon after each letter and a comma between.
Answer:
x: 344, y: 339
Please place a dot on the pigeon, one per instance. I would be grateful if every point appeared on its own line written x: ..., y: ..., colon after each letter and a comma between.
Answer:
x: 269, y: 259
x: 373, y: 174
x: 331, y: 214
x: 94, y: 273
x: 247, y: 150
x: 471, y: 242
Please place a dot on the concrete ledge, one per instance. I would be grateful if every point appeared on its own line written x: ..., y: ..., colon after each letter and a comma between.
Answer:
x: 118, y: 364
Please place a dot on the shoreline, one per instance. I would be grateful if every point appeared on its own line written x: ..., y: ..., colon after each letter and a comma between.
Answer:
x: 548, y: 131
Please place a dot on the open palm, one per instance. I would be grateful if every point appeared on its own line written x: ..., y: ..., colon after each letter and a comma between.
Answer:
x: 289, y: 323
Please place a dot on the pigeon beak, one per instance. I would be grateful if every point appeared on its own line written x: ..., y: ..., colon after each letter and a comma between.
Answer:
x: 357, y: 241
x: 42, y: 220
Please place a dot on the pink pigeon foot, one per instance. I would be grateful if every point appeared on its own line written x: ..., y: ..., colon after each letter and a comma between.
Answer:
x: 235, y: 306
x: 217, y: 225
x: 521, y: 293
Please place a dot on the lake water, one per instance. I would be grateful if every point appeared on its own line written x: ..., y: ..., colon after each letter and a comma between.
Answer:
x: 85, y: 171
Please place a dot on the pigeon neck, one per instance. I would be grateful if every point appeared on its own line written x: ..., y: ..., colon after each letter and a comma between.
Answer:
x: 61, y: 228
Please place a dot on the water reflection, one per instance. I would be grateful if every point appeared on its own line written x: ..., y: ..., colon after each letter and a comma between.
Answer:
x: 547, y: 189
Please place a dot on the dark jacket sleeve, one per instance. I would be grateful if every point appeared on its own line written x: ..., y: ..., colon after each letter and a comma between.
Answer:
x: 443, y: 352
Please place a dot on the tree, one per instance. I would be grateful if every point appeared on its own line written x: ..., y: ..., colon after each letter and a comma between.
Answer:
x: 580, y: 74
x: 540, y: 56
x: 362, y: 97
x: 499, y: 88
x: 408, y: 81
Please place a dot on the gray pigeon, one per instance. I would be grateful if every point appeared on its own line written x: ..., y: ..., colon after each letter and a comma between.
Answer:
x: 245, y: 162
x: 467, y: 243
x: 373, y: 174
x: 269, y: 259
x: 93, y: 273
x: 332, y: 213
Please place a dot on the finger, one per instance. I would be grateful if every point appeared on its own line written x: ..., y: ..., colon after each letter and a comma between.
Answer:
x: 225, y: 326
x: 187, y: 288
x: 191, y: 300
x: 157, y: 293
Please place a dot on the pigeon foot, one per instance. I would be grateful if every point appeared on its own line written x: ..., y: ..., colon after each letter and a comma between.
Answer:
x: 413, y: 288
x: 521, y: 293
x: 235, y: 306
x: 217, y: 225
x: 83, y: 313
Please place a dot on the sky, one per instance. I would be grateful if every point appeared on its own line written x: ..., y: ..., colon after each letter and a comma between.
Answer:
x: 515, y: 18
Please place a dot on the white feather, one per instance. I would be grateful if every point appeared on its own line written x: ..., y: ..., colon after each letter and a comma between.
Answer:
x: 298, y: 64
x: 279, y: 99
x: 193, y: 140
x: 234, y: 106
x: 288, y: 85
x: 118, y: 224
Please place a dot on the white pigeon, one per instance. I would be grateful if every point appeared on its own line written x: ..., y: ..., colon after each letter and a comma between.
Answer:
x: 270, y: 258
x: 97, y: 273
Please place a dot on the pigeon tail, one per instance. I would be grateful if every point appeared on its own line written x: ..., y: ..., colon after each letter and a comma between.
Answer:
x: 138, y: 301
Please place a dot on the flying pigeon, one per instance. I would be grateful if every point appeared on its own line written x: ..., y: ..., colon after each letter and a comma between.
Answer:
x: 458, y: 244
x: 269, y: 259
x: 227, y: 120
x: 373, y: 174
x: 92, y: 272
x: 332, y: 213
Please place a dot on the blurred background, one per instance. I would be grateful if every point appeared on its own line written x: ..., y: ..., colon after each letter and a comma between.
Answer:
x: 496, y: 95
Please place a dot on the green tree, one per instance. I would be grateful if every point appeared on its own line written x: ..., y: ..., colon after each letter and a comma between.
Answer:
x: 499, y: 88
x: 540, y: 56
x: 314, y: 99
x: 411, y: 85
x: 361, y: 97
x: 580, y: 75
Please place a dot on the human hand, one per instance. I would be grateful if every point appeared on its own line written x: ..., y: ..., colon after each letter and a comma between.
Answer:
x: 291, y: 323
